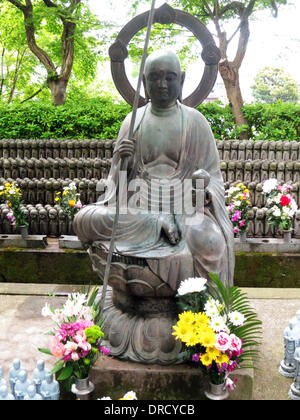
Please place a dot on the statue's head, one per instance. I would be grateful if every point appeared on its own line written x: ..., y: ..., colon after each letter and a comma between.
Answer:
x: 163, y: 78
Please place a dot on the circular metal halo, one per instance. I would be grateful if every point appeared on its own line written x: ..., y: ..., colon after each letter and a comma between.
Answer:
x: 165, y: 14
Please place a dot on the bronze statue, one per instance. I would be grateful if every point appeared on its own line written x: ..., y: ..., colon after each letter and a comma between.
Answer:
x: 158, y: 243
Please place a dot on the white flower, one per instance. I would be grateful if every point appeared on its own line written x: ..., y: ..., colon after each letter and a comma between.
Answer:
x: 46, y: 311
x: 217, y: 324
x: 1, y: 188
x: 269, y: 185
x: 130, y: 396
x: 236, y: 318
x: 212, y: 307
x: 276, y: 211
x: 192, y: 285
x: 104, y: 398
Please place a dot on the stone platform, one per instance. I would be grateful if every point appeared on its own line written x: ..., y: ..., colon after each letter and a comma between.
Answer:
x: 17, y: 241
x: 181, y: 382
x: 266, y: 245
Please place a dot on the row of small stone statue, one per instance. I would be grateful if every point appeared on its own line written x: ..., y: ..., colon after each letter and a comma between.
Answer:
x: 54, y: 168
x: 42, y: 387
x: 232, y: 170
x: 56, y: 148
x: 228, y: 149
x: 290, y: 365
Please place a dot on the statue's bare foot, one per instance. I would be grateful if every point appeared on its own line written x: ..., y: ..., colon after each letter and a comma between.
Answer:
x: 170, y: 228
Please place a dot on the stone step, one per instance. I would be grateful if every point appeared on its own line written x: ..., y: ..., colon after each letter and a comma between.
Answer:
x: 113, y: 378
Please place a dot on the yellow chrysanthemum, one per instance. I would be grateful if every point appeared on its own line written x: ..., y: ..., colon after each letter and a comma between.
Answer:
x: 201, y: 318
x: 206, y: 359
x: 213, y: 352
x: 191, y: 339
x: 188, y: 317
x: 56, y: 199
x: 180, y: 330
x: 207, y: 336
x: 223, y: 358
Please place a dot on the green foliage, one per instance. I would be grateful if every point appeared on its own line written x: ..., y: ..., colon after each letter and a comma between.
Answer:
x: 101, y: 117
x: 272, y: 84
x: 98, y: 118
x: 279, y: 121
x: 250, y: 332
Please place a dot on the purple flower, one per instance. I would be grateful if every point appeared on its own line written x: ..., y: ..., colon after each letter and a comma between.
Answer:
x: 196, y: 357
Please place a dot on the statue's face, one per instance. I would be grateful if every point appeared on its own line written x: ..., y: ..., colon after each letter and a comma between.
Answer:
x: 163, y: 78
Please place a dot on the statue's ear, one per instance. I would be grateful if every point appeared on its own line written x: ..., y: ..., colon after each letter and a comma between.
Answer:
x: 147, y: 97
x: 181, y: 83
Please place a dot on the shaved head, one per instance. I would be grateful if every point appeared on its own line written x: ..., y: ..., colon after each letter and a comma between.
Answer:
x: 163, y: 78
x: 164, y: 56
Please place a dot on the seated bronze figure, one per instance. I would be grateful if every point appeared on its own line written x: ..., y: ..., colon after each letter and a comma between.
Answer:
x: 158, y: 243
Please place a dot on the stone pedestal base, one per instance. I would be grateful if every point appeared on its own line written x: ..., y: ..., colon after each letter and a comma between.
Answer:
x: 143, y: 334
x: 294, y: 393
x: 287, y: 371
x: 113, y: 378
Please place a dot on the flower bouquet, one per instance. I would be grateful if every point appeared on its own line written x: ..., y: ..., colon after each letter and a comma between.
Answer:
x: 238, y: 205
x: 281, y: 204
x: 69, y: 200
x: 76, y: 340
x: 219, y: 330
x: 10, y: 193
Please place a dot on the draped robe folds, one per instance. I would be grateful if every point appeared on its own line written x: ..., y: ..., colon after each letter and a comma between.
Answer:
x: 140, y: 234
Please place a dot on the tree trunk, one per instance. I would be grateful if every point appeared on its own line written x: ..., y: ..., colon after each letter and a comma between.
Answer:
x: 58, y: 88
x: 230, y: 76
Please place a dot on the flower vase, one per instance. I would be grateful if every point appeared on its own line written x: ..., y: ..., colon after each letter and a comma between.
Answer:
x: 217, y: 392
x: 243, y: 236
x: 23, y: 231
x: 287, y: 235
x: 82, y: 388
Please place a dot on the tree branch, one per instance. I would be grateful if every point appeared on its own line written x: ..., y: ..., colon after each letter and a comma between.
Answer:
x: 49, y: 3
x: 30, y: 34
x: 33, y: 95
x: 19, y: 5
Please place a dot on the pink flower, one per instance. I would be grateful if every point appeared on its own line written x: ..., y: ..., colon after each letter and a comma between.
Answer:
x: 237, y: 215
x: 104, y: 350
x: 235, y: 230
x: 70, y: 347
x: 230, y: 384
x: 223, y: 341
x: 242, y: 222
x: 78, y: 205
x: 235, y: 343
x: 231, y: 366
x: 56, y: 347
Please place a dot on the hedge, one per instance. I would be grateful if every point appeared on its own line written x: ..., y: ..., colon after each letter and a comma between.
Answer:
x: 101, y: 118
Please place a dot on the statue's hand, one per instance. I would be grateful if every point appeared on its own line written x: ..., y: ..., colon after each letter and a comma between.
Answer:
x: 170, y: 228
x: 126, y: 148
x: 202, y: 175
